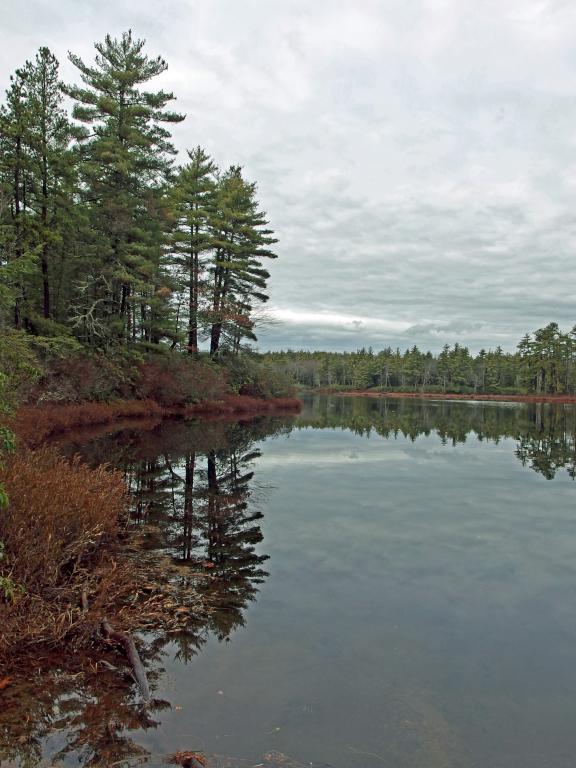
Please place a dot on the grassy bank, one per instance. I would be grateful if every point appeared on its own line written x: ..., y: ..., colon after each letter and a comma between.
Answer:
x: 71, y: 561
x: 61, y: 535
x: 34, y: 425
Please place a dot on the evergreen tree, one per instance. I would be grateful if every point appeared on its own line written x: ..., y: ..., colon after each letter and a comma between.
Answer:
x: 52, y: 166
x: 194, y: 196
x: 241, y: 240
x: 127, y: 154
x: 14, y: 170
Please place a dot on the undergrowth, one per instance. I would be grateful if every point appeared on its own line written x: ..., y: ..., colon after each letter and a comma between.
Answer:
x: 67, y: 534
x: 40, y: 370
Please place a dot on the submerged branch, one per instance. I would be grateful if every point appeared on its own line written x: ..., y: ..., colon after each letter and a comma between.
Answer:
x: 127, y: 642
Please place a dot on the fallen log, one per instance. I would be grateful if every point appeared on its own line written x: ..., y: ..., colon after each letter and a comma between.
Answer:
x: 127, y: 643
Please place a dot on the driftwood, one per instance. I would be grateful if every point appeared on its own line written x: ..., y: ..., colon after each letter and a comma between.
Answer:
x: 131, y: 651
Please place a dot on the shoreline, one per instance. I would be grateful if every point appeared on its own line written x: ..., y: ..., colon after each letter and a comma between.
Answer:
x: 518, y: 398
x: 89, y: 524
x: 37, y: 424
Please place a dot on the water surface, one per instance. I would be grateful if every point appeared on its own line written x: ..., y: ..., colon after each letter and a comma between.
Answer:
x: 395, y: 585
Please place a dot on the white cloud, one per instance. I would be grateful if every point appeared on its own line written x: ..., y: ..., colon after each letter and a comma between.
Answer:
x: 416, y: 157
x: 354, y: 323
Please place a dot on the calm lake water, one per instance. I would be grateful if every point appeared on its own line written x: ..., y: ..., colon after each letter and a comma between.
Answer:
x: 395, y: 583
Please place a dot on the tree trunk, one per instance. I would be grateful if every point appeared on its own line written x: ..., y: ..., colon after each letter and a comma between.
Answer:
x: 45, y: 247
x: 193, y: 305
x: 215, y: 333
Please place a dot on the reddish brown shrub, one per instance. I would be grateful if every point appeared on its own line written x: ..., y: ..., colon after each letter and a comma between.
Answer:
x: 81, y: 377
x: 62, y: 518
x: 34, y: 425
x: 156, y: 382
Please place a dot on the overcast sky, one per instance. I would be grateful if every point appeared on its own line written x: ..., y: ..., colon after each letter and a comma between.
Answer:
x: 417, y: 158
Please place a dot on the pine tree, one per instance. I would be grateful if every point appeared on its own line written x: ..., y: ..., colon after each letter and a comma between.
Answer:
x: 127, y: 154
x: 14, y: 169
x: 194, y: 197
x: 52, y: 163
x: 241, y: 240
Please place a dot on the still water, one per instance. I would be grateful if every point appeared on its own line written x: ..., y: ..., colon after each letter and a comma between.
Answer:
x: 394, y: 581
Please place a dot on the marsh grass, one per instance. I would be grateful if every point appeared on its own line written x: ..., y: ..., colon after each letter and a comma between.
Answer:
x: 60, y: 534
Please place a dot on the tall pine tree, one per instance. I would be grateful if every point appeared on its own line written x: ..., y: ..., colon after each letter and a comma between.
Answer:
x: 241, y: 240
x: 126, y: 159
x: 194, y: 196
x: 14, y: 172
x: 52, y: 166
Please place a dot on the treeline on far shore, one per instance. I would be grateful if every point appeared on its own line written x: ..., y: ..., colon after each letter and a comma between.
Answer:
x: 543, y: 363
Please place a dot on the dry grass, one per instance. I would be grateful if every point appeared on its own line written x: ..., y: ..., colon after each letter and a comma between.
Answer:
x: 34, y: 425
x: 59, y: 533
x: 65, y: 533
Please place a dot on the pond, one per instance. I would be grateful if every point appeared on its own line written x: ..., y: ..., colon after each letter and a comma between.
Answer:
x: 393, y: 581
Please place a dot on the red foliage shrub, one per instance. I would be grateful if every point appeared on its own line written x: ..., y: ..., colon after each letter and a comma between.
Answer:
x: 63, y: 517
x: 156, y: 382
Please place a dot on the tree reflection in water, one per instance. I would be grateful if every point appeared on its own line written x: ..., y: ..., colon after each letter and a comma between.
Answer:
x: 197, y: 504
x: 545, y: 432
x: 202, y: 509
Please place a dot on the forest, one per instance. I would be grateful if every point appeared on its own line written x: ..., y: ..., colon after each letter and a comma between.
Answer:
x: 102, y: 236
x: 544, y: 363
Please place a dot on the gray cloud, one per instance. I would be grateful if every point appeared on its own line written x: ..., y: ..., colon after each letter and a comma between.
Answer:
x: 417, y: 158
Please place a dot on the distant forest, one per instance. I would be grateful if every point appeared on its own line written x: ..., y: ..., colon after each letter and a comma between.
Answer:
x: 544, y: 363
x: 102, y: 237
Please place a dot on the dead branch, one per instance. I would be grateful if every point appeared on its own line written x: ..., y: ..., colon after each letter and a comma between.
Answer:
x: 131, y: 651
